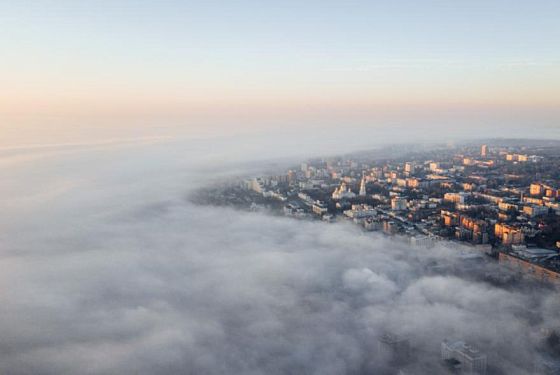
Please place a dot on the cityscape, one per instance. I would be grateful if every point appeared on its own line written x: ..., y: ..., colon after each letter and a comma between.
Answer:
x: 497, y: 204
x: 363, y: 187
x: 503, y: 201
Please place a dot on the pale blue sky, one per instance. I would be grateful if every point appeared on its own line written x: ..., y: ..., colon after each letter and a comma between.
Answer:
x: 341, y: 30
x: 268, y: 57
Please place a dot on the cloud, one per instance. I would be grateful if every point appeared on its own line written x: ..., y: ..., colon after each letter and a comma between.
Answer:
x: 125, y: 275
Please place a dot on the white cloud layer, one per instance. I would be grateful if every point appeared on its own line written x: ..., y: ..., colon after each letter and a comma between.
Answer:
x: 107, y: 268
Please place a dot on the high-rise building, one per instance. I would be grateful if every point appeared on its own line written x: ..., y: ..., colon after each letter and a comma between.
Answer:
x: 484, y: 150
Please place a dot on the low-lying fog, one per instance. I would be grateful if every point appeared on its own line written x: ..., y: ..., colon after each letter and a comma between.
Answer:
x: 107, y: 268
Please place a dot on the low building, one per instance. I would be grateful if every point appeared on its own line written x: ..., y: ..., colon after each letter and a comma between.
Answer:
x: 343, y: 192
x: 390, y: 226
x: 540, y: 264
x: 395, y: 348
x: 450, y: 219
x: 371, y: 224
x: 360, y: 211
x: 536, y: 189
x: 319, y: 208
x: 416, y: 183
x: 257, y: 185
x: 473, y: 230
x: 470, y: 360
x: 546, y: 365
x: 533, y: 210
x: 505, y: 206
x: 508, y: 234
x: 422, y: 241
x: 399, y: 203
x: 455, y: 197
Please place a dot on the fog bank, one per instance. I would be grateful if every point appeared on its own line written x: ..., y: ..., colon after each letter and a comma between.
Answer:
x: 107, y: 267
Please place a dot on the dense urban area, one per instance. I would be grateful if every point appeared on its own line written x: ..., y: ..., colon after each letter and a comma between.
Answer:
x: 500, y: 199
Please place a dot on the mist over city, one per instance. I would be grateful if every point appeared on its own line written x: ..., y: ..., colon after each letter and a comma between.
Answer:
x: 362, y: 187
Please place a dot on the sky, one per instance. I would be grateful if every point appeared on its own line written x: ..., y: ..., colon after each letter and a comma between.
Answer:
x: 73, y: 69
